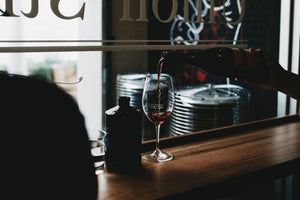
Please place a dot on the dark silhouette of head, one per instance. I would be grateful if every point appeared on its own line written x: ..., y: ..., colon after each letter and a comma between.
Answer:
x: 45, y: 151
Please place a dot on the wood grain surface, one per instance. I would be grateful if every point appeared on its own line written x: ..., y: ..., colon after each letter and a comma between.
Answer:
x: 213, y: 163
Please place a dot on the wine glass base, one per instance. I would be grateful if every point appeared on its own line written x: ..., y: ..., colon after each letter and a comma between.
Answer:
x: 158, y: 156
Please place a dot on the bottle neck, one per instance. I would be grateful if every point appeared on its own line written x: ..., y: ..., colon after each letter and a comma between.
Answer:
x: 124, y: 102
x: 218, y: 61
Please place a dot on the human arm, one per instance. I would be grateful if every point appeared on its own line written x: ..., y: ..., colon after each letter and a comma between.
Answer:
x: 276, y: 78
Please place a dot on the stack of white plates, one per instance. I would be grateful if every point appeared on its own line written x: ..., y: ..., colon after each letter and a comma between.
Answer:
x: 132, y: 85
x: 207, y: 107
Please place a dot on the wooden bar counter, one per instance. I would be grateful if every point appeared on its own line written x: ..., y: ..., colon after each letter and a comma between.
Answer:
x: 212, y: 166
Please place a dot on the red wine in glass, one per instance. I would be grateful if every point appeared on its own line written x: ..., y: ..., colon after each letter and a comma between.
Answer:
x: 158, y: 117
x: 158, y: 103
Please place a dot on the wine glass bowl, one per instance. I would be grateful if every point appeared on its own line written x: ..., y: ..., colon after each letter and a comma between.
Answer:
x: 158, y: 103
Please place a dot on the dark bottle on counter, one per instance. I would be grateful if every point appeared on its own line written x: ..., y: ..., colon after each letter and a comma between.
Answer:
x: 223, y: 61
x: 123, y: 139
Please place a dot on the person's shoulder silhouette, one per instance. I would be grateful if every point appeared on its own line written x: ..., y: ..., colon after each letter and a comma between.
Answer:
x: 45, y: 149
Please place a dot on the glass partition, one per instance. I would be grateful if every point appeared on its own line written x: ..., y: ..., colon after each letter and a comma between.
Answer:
x: 193, y: 25
x: 106, y: 47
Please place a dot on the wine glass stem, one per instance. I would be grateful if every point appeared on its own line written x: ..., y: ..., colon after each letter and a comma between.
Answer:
x: 157, y: 130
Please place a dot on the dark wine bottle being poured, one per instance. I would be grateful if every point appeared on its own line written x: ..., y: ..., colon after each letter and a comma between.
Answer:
x: 222, y: 61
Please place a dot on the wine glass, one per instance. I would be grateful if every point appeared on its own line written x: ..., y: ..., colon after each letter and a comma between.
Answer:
x: 158, y: 103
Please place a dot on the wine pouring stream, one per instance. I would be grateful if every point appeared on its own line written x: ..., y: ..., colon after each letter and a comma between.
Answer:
x: 158, y: 94
x: 158, y: 103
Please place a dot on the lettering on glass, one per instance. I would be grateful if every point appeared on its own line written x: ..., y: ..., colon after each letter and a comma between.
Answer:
x: 9, y: 10
x: 173, y: 12
x: 34, y: 9
x: 200, y: 8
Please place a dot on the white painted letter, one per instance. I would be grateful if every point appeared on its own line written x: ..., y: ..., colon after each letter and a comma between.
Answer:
x: 126, y: 11
x: 186, y: 11
x: 9, y: 10
x: 34, y: 9
x: 199, y: 9
x: 212, y: 12
x: 55, y: 9
x: 143, y: 11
